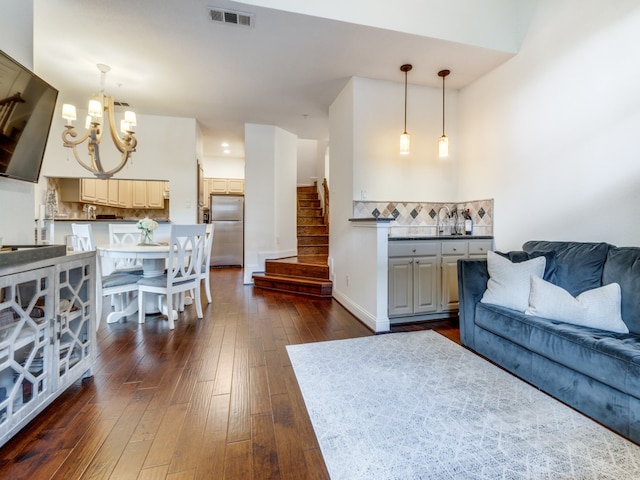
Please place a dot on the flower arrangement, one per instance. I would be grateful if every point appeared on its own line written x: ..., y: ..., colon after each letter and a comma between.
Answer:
x: 146, y: 227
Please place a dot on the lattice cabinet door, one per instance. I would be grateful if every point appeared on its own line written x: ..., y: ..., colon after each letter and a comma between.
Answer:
x: 26, y: 319
x: 74, y: 329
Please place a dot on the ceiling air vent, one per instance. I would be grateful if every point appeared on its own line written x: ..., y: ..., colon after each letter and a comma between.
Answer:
x: 231, y: 17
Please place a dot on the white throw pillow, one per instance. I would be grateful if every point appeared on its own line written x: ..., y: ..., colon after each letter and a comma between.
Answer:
x: 509, y: 283
x: 597, y: 308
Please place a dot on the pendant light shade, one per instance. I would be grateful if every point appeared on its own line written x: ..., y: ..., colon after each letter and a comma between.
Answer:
x: 443, y: 143
x: 405, y: 138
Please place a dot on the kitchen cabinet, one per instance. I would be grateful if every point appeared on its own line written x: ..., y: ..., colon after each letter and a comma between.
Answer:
x: 114, y: 193
x: 102, y: 190
x: 47, y: 334
x: 220, y: 186
x: 84, y: 190
x: 139, y: 194
x: 155, y: 194
x: 451, y: 251
x: 423, y: 276
x: 88, y: 190
x: 413, y: 278
x: 125, y: 191
x: 147, y: 194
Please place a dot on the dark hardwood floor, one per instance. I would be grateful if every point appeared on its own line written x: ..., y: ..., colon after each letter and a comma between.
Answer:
x: 213, y: 399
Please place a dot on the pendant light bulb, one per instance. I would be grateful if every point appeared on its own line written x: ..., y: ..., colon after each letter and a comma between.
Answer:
x: 405, y: 144
x: 443, y: 143
x: 443, y: 147
x: 405, y: 138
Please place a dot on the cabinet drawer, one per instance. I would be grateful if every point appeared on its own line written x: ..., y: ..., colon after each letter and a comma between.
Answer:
x: 454, y: 247
x: 413, y: 249
x: 479, y: 247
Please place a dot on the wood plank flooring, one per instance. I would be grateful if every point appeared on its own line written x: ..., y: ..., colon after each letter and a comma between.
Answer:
x: 213, y: 399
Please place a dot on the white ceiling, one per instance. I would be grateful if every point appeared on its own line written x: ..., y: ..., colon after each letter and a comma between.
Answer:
x: 168, y: 58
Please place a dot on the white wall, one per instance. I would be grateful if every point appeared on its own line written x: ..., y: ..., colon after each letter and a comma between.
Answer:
x: 378, y: 168
x: 270, y: 196
x: 307, y: 162
x: 223, y: 167
x: 552, y: 134
x: 166, y: 151
x: 16, y: 197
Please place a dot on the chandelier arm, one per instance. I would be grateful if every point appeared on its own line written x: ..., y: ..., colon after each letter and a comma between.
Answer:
x: 69, y: 133
x: 77, y: 157
x: 123, y: 162
x: 94, y: 151
x: 122, y: 146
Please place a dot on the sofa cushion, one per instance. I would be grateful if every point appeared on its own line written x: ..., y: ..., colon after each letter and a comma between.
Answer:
x: 596, y: 308
x: 509, y: 283
x: 518, y: 256
x: 578, y: 265
x: 623, y: 267
x: 609, y: 357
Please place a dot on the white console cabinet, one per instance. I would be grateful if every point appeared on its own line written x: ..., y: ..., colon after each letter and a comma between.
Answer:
x: 423, y: 276
x: 47, y: 334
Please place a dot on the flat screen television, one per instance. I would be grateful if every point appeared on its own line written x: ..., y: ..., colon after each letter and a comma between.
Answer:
x: 27, y: 105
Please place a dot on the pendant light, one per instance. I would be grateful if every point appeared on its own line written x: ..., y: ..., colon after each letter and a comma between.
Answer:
x: 405, y: 138
x: 443, y: 143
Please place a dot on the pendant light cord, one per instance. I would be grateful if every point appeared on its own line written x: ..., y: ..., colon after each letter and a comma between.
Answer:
x: 443, y: 105
x: 405, y: 68
x: 443, y: 74
x: 405, y: 101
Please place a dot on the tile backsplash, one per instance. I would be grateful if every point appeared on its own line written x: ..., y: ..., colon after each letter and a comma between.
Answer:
x: 420, y: 218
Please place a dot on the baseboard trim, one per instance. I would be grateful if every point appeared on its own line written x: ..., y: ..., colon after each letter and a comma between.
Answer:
x: 377, y: 325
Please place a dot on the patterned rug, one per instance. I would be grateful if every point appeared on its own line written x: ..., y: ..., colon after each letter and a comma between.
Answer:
x: 418, y: 406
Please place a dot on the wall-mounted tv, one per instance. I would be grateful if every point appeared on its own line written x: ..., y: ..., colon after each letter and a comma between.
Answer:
x: 27, y: 104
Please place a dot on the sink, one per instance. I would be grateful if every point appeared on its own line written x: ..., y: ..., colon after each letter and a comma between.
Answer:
x: 17, y: 254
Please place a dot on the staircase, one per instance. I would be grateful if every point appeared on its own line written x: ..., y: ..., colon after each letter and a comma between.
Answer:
x: 308, y: 273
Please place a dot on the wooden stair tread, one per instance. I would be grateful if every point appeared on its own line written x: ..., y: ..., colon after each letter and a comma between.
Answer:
x: 293, y: 279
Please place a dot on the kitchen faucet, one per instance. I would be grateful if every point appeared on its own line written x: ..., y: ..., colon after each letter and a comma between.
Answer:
x: 438, y: 232
x: 90, y: 211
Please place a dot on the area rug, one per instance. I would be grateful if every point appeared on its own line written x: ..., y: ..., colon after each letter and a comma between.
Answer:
x: 418, y: 406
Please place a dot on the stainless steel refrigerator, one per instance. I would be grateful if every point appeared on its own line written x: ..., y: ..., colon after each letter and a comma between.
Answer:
x: 226, y: 212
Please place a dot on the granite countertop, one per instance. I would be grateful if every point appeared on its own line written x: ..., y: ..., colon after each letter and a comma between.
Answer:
x: 373, y: 219
x: 106, y: 220
x: 441, y: 237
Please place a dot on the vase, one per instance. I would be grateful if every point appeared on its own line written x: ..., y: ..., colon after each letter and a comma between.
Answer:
x: 146, y: 237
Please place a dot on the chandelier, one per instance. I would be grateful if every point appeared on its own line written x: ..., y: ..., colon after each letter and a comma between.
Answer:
x: 101, y: 111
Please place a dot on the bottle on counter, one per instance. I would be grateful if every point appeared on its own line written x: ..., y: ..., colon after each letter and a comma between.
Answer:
x: 460, y: 221
x: 468, y: 223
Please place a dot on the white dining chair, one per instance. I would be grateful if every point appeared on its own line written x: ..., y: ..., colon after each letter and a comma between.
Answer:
x: 206, y: 265
x: 127, y: 234
x: 184, y: 270
x: 118, y: 285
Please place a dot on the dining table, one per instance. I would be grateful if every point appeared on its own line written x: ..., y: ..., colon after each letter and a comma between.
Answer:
x: 154, y: 257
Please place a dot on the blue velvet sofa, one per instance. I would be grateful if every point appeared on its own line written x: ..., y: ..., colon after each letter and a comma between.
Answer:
x: 595, y: 371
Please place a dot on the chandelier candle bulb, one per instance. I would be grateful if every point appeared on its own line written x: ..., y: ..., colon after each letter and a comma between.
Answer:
x: 95, y: 108
x: 130, y: 118
x: 69, y: 113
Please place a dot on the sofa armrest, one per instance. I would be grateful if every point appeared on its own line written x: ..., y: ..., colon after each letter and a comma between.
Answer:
x: 472, y: 283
